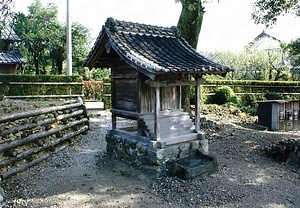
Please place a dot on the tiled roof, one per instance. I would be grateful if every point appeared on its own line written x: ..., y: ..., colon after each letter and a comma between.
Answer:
x: 11, y: 57
x: 151, y: 49
x: 7, y: 33
x: 264, y: 41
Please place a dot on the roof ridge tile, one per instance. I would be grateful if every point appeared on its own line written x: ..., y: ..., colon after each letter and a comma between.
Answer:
x: 124, y: 26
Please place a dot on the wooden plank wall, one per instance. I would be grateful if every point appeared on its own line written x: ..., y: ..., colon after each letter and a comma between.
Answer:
x: 125, y: 94
x: 169, y: 97
x: 124, y: 87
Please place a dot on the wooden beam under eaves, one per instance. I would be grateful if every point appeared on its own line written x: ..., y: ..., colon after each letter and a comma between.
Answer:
x: 152, y: 83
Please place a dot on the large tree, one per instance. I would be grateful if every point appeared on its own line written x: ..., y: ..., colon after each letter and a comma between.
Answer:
x: 5, y: 15
x: 80, y: 46
x: 37, y: 30
x: 190, y: 20
x: 58, y: 50
x: 266, y: 12
x: 254, y: 65
x: 189, y: 25
x: 44, y: 40
x: 5, y: 11
x: 293, y: 49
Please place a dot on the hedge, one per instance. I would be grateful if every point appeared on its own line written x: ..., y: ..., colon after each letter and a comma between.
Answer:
x: 286, y: 88
x: 18, y: 85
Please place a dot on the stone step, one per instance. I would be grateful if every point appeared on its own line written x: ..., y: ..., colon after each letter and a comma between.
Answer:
x: 172, y: 119
x: 192, y: 166
x: 172, y: 132
x: 175, y: 133
x: 186, y: 120
x: 94, y: 105
x: 170, y: 126
x: 165, y: 113
x: 179, y: 139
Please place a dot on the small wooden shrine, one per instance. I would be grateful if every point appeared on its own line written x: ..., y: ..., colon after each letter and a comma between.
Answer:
x: 149, y: 65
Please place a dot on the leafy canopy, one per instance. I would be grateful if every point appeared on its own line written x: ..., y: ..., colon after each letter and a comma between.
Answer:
x: 266, y: 12
x: 44, y: 40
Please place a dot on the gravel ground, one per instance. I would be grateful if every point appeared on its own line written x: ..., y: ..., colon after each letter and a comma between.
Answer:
x: 82, y: 176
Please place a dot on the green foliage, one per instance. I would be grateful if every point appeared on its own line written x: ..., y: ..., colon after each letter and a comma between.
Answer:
x: 93, y: 90
x: 248, y: 100
x: 248, y: 104
x: 97, y: 86
x: 80, y: 44
x: 8, y: 89
x: 39, y: 78
x: 294, y: 52
x: 95, y: 74
x: 190, y: 21
x: 5, y: 16
x: 267, y: 12
x: 36, y: 30
x: 98, y: 90
x: 284, y: 88
x: 189, y: 25
x: 224, y: 95
x: 254, y: 65
x: 44, y: 40
x: 293, y: 49
x: 272, y: 96
x: 107, y: 102
x: 5, y: 12
x: 203, y: 96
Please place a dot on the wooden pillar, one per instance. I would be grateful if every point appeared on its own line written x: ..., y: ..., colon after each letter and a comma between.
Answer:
x: 156, y: 111
x: 114, y: 121
x: 180, y: 97
x: 197, y: 110
x: 113, y: 102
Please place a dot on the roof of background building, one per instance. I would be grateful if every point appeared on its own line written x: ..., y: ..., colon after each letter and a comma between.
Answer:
x: 11, y: 57
x: 8, y: 34
x: 150, y: 49
x: 264, y: 41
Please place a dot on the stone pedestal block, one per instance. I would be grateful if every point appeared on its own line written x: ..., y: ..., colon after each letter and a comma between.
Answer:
x: 139, y: 151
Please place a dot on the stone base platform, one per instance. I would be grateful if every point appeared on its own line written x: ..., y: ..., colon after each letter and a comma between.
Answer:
x: 175, y: 160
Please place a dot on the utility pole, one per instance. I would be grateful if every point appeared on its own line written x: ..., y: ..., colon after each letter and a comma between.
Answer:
x: 69, y: 42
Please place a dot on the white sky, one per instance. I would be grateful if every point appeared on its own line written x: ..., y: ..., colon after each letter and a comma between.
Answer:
x: 227, y: 25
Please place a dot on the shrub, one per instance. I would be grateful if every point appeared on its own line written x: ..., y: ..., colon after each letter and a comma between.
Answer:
x: 273, y: 96
x: 93, y: 90
x: 248, y: 100
x: 224, y: 95
x: 248, y: 104
x: 107, y: 102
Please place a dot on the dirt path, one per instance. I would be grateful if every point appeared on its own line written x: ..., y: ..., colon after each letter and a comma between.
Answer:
x: 82, y: 176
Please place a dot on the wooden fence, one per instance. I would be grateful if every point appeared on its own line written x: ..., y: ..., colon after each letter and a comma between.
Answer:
x: 28, y: 138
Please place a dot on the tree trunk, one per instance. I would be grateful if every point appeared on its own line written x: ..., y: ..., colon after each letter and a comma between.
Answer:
x: 190, y: 20
x: 189, y: 25
x: 59, y: 64
x: 36, y: 64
